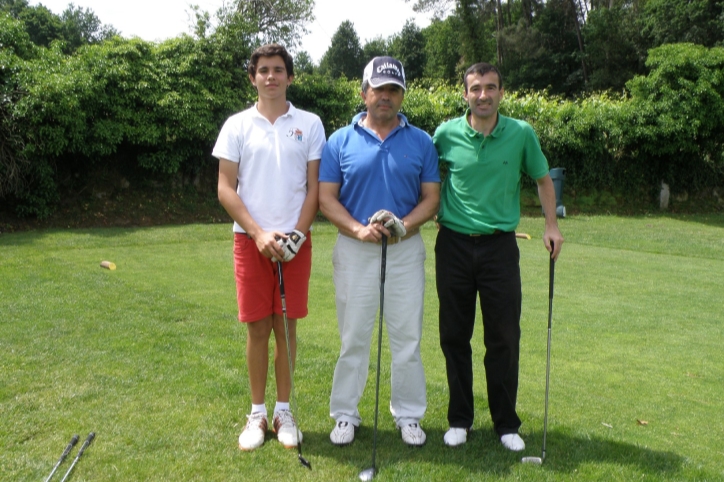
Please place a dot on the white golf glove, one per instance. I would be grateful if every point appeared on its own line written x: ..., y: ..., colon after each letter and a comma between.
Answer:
x: 291, y: 245
x: 393, y: 224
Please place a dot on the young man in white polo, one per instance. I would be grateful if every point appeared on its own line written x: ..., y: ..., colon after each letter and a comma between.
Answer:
x: 269, y: 160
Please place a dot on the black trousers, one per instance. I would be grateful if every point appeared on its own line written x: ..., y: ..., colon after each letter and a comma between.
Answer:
x: 487, y: 266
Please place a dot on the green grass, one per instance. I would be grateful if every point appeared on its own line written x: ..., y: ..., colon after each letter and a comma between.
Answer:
x: 151, y: 358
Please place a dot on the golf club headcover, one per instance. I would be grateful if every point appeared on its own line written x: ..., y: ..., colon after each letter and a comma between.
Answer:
x: 393, y: 224
x: 292, y: 244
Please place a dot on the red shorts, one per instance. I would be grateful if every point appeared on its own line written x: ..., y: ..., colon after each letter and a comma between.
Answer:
x: 257, y: 281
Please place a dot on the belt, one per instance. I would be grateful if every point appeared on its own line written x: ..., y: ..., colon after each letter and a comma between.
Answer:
x: 497, y: 232
x: 392, y: 239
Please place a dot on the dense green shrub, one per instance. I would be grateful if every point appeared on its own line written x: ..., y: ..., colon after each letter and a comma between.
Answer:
x: 675, y: 120
x: 428, y: 106
x: 335, y: 101
x: 159, y: 105
x: 147, y: 109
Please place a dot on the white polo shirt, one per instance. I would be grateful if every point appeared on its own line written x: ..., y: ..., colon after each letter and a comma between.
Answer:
x: 272, y: 177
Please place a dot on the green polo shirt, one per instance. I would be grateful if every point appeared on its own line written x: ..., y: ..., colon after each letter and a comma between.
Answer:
x: 481, y: 191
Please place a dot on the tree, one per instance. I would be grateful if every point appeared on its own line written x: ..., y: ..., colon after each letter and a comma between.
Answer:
x: 672, y: 21
x: 409, y: 48
x: 82, y: 27
x: 377, y: 47
x: 278, y: 21
x: 344, y: 56
x: 15, y: 46
x: 42, y: 25
x: 442, y: 49
x: 477, y: 24
x: 439, y: 7
x: 303, y: 63
x: 75, y: 26
x: 612, y: 36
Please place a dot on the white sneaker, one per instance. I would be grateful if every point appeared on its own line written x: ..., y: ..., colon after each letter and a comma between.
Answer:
x: 286, y: 428
x: 512, y: 441
x: 253, y: 435
x: 412, y: 434
x: 456, y: 436
x: 343, y: 433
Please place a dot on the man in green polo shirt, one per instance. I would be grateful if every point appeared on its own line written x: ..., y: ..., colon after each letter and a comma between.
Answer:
x: 476, y: 253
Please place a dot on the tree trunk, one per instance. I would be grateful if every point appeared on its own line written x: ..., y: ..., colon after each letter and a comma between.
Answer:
x: 580, y: 41
x: 499, y: 29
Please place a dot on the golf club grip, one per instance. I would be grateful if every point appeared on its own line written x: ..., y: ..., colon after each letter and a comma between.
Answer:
x: 384, y: 259
x: 87, y: 442
x: 281, y: 279
x: 67, y: 450
x: 552, y: 271
x: 70, y: 446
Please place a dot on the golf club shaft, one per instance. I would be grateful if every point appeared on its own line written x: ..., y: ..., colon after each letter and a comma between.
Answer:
x: 67, y: 450
x: 548, y: 350
x: 85, y: 445
x: 383, y: 268
x: 292, y: 398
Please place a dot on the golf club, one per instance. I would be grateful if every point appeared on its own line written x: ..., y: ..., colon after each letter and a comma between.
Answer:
x: 67, y: 450
x: 539, y: 460
x: 85, y: 445
x: 293, y: 399
x: 369, y: 474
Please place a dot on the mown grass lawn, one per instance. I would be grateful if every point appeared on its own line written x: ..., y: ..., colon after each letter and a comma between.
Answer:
x: 150, y: 357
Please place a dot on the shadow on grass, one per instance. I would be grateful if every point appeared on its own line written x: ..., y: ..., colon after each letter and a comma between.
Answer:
x: 483, y: 454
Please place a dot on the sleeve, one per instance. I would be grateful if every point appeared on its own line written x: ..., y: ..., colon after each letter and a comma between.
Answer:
x: 228, y: 144
x: 318, y: 140
x: 535, y: 163
x: 438, y: 141
x: 330, y: 169
x: 430, y: 169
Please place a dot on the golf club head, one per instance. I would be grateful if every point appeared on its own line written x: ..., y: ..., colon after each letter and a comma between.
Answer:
x: 368, y: 474
x: 305, y: 462
x: 532, y: 460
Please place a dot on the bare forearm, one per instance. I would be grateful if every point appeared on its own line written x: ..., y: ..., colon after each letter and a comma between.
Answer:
x: 311, y: 202
x: 547, y: 196
x: 339, y: 216
x: 426, y: 208
x: 552, y: 237
x: 309, y: 212
x: 236, y: 208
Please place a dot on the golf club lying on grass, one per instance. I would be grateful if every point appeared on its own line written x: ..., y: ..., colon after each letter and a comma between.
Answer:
x: 85, y: 445
x: 539, y: 460
x: 369, y: 474
x: 293, y: 399
x: 67, y: 450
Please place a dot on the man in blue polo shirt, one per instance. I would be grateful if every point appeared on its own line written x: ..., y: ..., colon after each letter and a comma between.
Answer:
x: 379, y: 171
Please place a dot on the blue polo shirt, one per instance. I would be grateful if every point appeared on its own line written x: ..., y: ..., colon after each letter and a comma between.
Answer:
x: 375, y: 174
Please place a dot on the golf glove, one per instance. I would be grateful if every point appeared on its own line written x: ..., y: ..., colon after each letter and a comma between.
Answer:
x: 291, y: 245
x: 393, y: 224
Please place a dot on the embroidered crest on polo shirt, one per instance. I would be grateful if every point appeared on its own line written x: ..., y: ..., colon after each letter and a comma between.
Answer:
x: 296, y: 134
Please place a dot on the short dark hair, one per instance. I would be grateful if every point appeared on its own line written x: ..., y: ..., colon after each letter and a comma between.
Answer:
x: 482, y: 68
x: 271, y: 50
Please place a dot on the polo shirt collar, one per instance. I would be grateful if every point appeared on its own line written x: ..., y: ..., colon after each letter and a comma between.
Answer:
x: 290, y: 112
x: 357, y: 120
x: 499, y: 127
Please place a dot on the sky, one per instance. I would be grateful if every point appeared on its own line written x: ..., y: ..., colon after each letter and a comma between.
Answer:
x: 155, y: 20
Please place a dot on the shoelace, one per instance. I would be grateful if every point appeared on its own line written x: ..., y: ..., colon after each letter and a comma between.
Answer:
x: 285, y: 417
x: 255, y: 420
